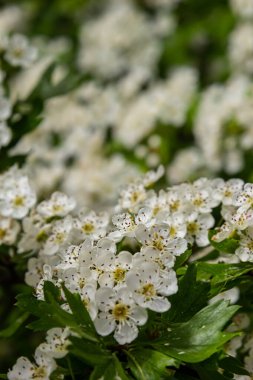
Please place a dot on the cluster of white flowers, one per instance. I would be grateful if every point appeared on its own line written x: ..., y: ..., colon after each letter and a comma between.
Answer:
x: 16, y: 199
x: 86, y: 252
x: 55, y: 347
x: 242, y: 343
x: 107, y: 50
x: 5, y: 112
x: 238, y: 217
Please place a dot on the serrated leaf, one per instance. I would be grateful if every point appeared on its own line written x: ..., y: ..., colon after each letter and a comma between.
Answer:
x: 151, y: 365
x: 200, y: 337
x: 79, y: 311
x: 191, y: 297
x: 222, y: 273
x: 90, y: 353
x: 113, y: 370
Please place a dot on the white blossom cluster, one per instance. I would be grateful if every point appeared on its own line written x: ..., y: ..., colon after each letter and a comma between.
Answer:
x: 55, y: 347
x: 122, y: 267
x: 18, y: 52
x: 242, y: 343
x: 238, y: 219
x: 16, y: 199
x: 118, y: 286
x: 107, y: 50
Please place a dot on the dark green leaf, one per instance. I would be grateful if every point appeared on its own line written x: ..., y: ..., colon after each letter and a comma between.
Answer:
x: 92, y: 354
x: 113, y: 370
x: 151, y: 365
x: 200, y: 337
x: 191, y: 297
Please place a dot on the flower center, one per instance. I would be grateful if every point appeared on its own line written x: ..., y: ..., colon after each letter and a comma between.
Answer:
x: 148, y: 290
x: 192, y: 228
x: 39, y: 373
x: 88, y: 227
x: 19, y: 201
x: 119, y: 274
x: 2, y: 233
x: 120, y: 312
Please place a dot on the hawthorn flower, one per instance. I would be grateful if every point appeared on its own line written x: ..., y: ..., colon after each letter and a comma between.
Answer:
x: 90, y: 224
x: 5, y: 108
x: 25, y: 370
x: 132, y: 196
x: 225, y: 191
x: 9, y: 230
x: 119, y: 313
x: 19, y: 51
x: 244, y: 199
x: 245, y: 249
x: 59, y: 236
x: 58, y: 205
x: 92, y: 258
x: 5, y: 134
x: 116, y: 270
x: 198, y: 227
x: 158, y: 237
x: 165, y: 260
x: 150, y: 289
x: 16, y: 195
x: 56, y: 345
x: 126, y: 223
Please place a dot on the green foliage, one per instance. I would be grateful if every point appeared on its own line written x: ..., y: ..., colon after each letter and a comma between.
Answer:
x: 200, y: 337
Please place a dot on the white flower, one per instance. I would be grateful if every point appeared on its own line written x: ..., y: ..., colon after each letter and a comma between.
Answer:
x: 244, y: 199
x: 5, y: 134
x: 20, y: 52
x: 25, y: 370
x: 159, y: 237
x: 165, y: 260
x: 9, y: 229
x: 245, y: 249
x: 225, y: 191
x: 5, y: 108
x: 56, y: 343
x: 58, y: 205
x: 16, y: 194
x: 153, y: 176
x: 59, y: 236
x: 119, y: 313
x: 90, y: 224
x: 197, y: 229
x: 132, y: 196
x: 149, y: 288
x: 126, y: 223
x: 85, y: 287
x: 115, y: 273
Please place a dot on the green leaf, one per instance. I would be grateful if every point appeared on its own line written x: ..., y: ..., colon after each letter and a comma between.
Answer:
x: 79, y: 311
x: 232, y: 365
x: 150, y: 365
x: 200, y: 337
x: 49, y: 314
x: 113, y: 370
x: 226, y: 246
x: 15, y: 325
x: 191, y: 297
x: 180, y: 260
x: 90, y: 353
x: 221, y: 275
